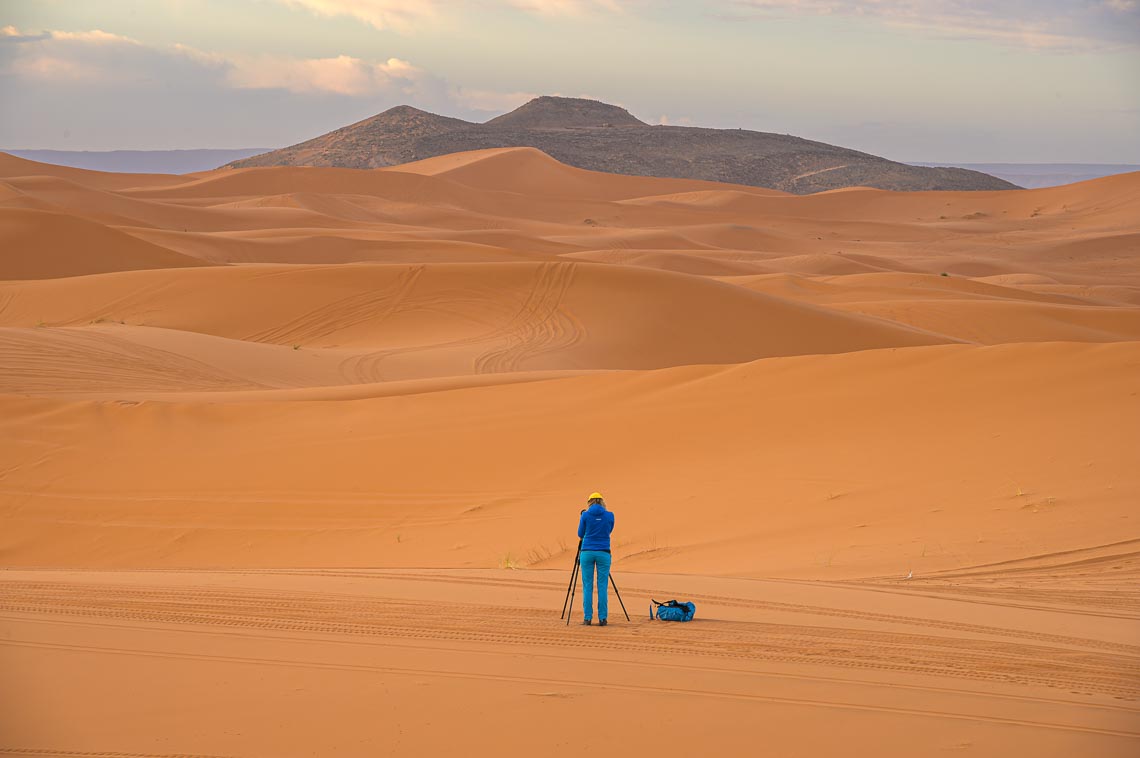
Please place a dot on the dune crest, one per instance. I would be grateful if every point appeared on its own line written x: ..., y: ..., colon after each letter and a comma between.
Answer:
x: 285, y: 448
x: 504, y: 275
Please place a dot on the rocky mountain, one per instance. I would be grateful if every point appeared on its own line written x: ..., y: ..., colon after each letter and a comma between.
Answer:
x: 565, y: 113
x: 602, y: 137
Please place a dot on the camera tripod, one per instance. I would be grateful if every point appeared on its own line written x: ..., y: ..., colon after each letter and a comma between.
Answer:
x: 568, y: 603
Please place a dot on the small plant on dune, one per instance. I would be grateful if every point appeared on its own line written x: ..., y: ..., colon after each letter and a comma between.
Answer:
x: 40, y: 324
x: 1017, y: 490
x: 944, y: 274
x: 296, y: 346
x: 399, y: 538
x: 538, y: 554
x: 508, y: 562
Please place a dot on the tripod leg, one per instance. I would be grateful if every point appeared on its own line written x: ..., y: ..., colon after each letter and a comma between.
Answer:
x: 573, y: 577
x: 573, y: 590
x: 568, y: 610
x: 614, y: 585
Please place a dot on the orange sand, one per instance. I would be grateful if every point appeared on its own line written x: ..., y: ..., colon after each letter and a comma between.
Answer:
x: 291, y: 458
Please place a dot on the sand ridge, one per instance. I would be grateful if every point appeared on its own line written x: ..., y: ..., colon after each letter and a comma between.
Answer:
x: 443, y: 293
x: 305, y: 445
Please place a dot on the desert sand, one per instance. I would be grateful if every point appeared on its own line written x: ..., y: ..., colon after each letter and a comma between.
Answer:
x: 291, y: 461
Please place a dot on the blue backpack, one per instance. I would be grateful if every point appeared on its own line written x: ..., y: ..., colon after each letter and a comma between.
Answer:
x: 673, y: 611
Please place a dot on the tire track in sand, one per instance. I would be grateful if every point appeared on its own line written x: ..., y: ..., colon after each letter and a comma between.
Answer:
x: 1008, y: 661
x: 579, y: 683
x: 541, y: 325
x: 70, y: 360
x: 347, y: 312
x: 736, y: 602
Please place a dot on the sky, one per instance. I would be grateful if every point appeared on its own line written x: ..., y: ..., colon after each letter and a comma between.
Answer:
x: 912, y: 80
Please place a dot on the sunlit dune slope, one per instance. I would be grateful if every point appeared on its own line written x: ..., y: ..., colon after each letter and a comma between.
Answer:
x: 428, y: 365
x: 43, y: 245
x: 991, y: 323
x: 399, y: 322
x: 877, y: 462
x: 340, y: 424
x: 965, y: 309
x: 12, y: 166
x: 519, y: 204
x: 528, y: 170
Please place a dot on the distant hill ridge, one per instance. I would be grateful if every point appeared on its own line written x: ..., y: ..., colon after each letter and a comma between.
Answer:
x: 549, y: 112
x: 140, y: 161
x: 603, y: 137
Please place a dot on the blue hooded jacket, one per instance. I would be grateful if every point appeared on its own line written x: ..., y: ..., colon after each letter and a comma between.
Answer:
x: 594, y: 528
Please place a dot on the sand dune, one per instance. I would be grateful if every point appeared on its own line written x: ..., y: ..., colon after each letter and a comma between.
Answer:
x: 969, y: 310
x: 990, y: 323
x: 43, y: 245
x: 409, y: 322
x: 287, y: 448
x: 324, y: 246
x: 527, y: 170
x: 776, y: 440
x: 444, y: 308
x: 11, y: 166
x: 702, y: 263
x: 119, y: 360
x: 1065, y: 235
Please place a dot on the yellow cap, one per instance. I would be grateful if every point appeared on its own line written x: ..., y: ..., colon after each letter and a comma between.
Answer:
x: 595, y: 496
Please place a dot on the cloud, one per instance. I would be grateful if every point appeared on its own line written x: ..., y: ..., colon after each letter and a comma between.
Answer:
x: 403, y: 15
x: 400, y: 15
x: 10, y: 35
x: 566, y: 7
x: 342, y: 75
x: 100, y: 57
x: 1058, y: 25
x: 101, y: 61
x: 95, y: 36
x: 59, y: 55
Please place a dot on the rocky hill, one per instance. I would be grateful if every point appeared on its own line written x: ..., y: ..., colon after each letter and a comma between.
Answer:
x: 601, y: 137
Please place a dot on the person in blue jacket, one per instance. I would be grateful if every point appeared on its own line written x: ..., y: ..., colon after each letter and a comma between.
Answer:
x: 594, y: 528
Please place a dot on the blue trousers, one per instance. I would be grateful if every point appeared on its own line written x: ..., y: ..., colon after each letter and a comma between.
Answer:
x: 590, y: 560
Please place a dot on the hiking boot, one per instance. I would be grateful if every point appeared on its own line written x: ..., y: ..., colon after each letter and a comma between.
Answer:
x: 587, y: 622
x: 602, y: 622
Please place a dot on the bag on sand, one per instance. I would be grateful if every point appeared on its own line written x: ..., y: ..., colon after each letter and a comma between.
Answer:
x: 672, y: 610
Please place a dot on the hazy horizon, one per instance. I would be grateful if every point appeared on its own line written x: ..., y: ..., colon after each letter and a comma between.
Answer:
x: 192, y: 160
x: 910, y: 80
